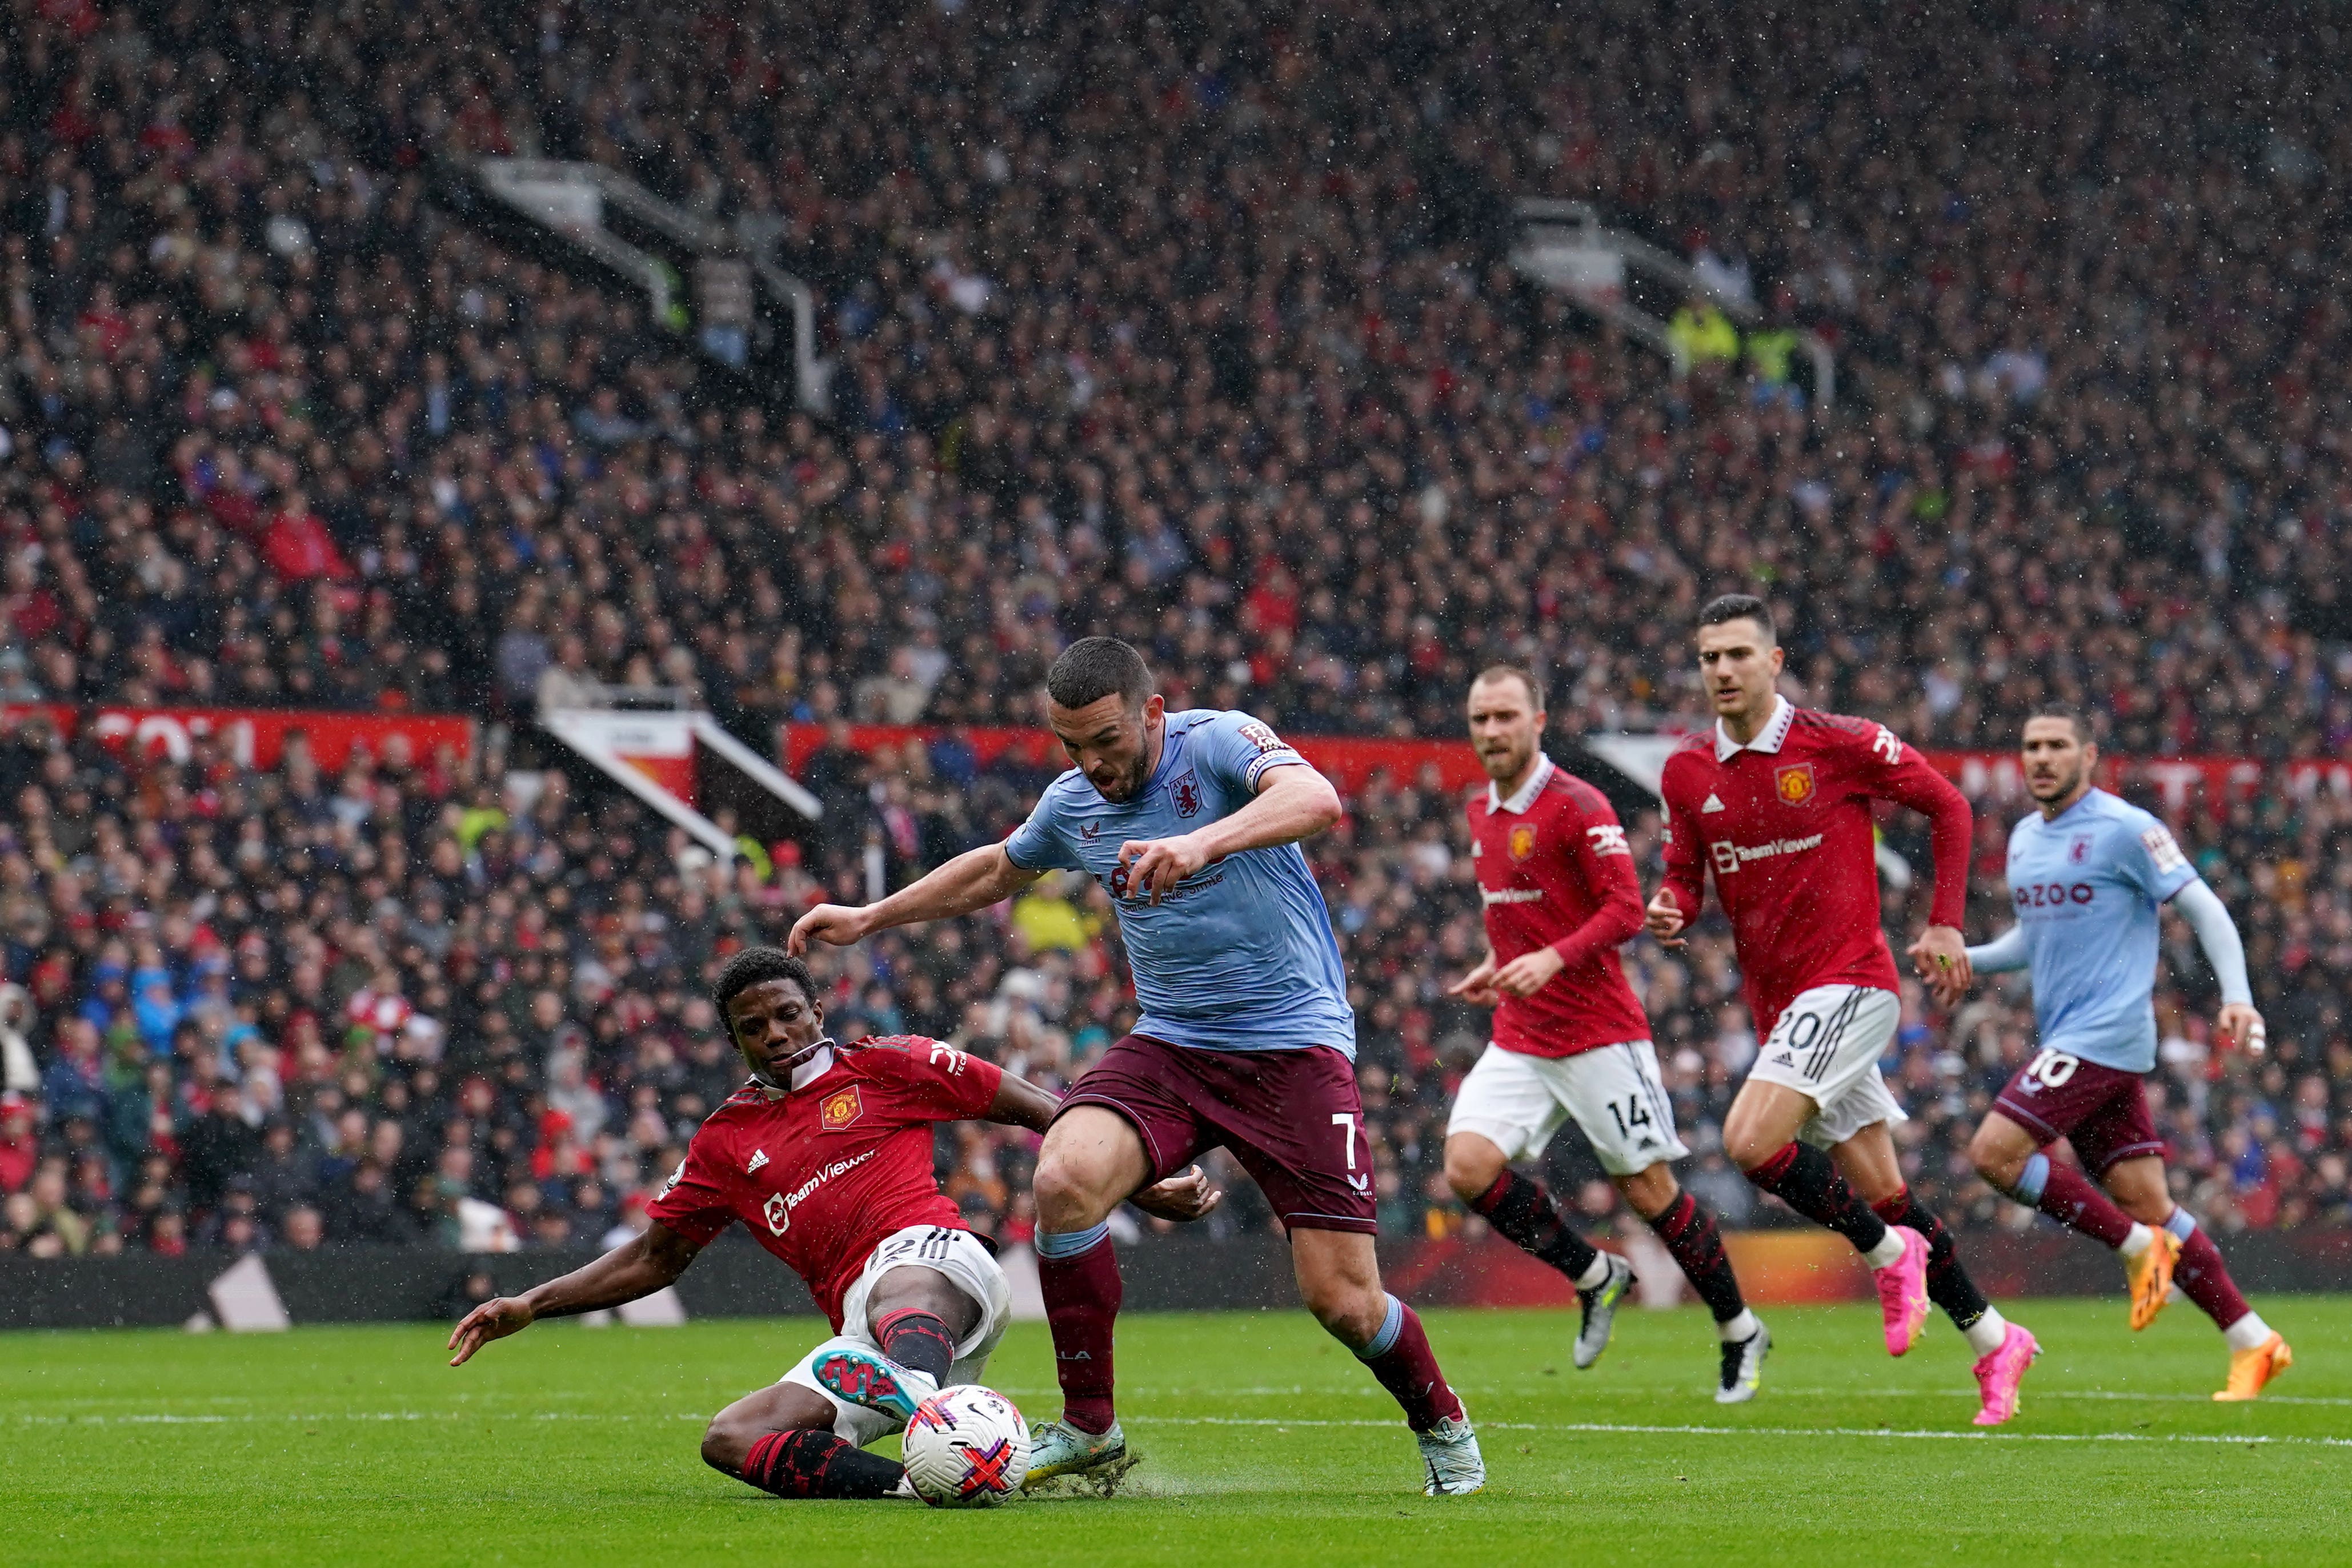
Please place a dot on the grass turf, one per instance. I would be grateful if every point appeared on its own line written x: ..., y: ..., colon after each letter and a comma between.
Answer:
x: 1262, y: 1440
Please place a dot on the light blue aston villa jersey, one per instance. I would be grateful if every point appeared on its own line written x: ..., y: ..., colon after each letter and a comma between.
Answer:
x: 2088, y: 887
x: 1237, y: 957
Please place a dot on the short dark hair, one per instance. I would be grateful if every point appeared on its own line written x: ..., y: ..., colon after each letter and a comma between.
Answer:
x: 754, y: 967
x: 1505, y: 670
x: 2066, y: 711
x: 1740, y: 607
x: 1093, y: 668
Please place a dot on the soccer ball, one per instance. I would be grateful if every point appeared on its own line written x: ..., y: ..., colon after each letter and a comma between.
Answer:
x: 966, y: 1447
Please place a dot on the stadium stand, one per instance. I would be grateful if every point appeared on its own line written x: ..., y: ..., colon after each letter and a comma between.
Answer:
x: 280, y: 432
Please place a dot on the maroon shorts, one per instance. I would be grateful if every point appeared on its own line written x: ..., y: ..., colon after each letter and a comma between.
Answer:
x: 2102, y: 1111
x: 1292, y: 1118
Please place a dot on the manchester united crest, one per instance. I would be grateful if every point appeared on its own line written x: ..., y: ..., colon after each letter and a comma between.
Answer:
x: 841, y: 1109
x: 1795, y: 784
x: 1521, y: 844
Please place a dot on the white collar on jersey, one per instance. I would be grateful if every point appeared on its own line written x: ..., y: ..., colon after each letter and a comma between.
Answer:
x: 1525, y: 796
x: 804, y: 1073
x: 1768, y: 740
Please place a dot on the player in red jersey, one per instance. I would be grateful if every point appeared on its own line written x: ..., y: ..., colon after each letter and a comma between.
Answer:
x: 825, y: 1156
x: 1555, y: 877
x: 1775, y: 801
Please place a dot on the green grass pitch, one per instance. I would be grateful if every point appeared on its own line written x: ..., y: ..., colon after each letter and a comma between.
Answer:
x: 1264, y: 1443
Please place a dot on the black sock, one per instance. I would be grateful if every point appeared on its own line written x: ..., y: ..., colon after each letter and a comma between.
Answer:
x: 1803, y: 1177
x: 1949, y: 1285
x: 1690, y: 1234
x: 809, y: 1463
x: 1522, y: 1211
x: 917, y: 1340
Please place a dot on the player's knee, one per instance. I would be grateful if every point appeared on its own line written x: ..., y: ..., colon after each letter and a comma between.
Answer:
x: 1651, y: 1192
x: 1996, y: 1161
x: 1348, y: 1311
x: 725, y: 1444
x: 1471, y: 1164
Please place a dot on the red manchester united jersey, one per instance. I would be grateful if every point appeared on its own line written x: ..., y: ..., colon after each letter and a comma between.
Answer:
x: 1554, y: 871
x: 1784, y: 823
x: 822, y: 1172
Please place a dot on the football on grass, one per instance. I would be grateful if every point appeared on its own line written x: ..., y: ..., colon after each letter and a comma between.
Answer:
x: 966, y: 1447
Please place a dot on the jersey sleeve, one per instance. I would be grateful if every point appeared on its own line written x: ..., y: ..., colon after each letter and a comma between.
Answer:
x: 931, y: 1080
x: 1888, y: 767
x: 1603, y: 861
x: 693, y: 1201
x: 1685, y: 852
x: 1038, y: 845
x: 2152, y: 859
x: 1237, y: 749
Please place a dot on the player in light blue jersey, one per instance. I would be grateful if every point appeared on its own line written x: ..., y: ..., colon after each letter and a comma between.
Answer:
x: 2088, y: 873
x: 1192, y: 823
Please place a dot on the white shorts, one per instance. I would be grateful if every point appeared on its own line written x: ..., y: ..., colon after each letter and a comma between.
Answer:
x: 1826, y: 1046
x: 1517, y: 1102
x: 957, y: 1254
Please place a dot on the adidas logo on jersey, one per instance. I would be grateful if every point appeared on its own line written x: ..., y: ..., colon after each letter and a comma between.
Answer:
x: 758, y: 1157
x: 1712, y: 803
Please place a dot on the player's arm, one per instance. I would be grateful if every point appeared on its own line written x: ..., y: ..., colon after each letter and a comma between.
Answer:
x: 2241, y: 1025
x: 1294, y: 801
x: 974, y: 880
x: 1185, y: 1196
x: 1682, y: 894
x: 636, y: 1268
x: 1604, y: 863
x: 1897, y: 772
x: 2003, y: 953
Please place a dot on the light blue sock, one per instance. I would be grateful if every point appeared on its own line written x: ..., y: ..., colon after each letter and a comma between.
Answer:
x: 1070, y: 1243
x: 2037, y: 1176
x: 2182, y: 1224
x: 1385, y: 1340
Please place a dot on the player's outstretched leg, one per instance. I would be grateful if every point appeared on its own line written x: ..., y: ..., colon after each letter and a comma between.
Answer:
x: 1803, y: 1177
x: 1523, y: 1211
x: 1092, y: 1159
x: 1690, y: 1235
x: 2007, y: 1155
x: 1339, y: 1279
x: 781, y: 1439
x: 2257, y: 1351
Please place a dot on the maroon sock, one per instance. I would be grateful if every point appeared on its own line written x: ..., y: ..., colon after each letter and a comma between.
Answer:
x: 1949, y: 1285
x: 1690, y: 1234
x: 1803, y: 1177
x: 808, y: 1463
x: 2071, y: 1199
x: 2203, y: 1278
x: 1523, y: 1211
x: 1082, y: 1296
x: 1400, y: 1358
x: 918, y: 1341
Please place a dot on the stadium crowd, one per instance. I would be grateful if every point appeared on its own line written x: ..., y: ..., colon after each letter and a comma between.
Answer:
x: 1185, y: 323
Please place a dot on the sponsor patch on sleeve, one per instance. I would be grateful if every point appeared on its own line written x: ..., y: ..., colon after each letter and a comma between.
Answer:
x: 1608, y: 838
x: 2161, y: 849
x: 1265, y: 740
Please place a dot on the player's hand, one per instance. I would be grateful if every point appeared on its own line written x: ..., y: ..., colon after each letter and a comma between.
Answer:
x: 1186, y: 1195
x: 1154, y: 866
x: 1665, y: 919
x: 2242, y: 1028
x: 1477, y: 987
x: 1941, y: 955
x: 492, y: 1319
x: 1528, y: 972
x: 833, y: 923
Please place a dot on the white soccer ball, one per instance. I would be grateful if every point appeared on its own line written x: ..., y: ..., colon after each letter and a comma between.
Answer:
x: 966, y: 1447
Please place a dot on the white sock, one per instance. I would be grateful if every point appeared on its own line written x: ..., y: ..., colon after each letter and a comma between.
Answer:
x: 1889, y: 1248
x: 2246, y: 1333
x: 1739, y: 1329
x: 1986, y: 1333
x: 1596, y: 1273
x: 2137, y: 1242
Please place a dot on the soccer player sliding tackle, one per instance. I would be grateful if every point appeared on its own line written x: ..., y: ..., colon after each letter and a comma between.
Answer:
x: 1191, y: 822
x: 825, y: 1156
x: 2087, y: 873
x: 1775, y: 801
x: 1555, y: 877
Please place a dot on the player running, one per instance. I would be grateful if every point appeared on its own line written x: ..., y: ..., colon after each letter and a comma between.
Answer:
x: 825, y: 1156
x: 2087, y: 873
x: 1555, y: 877
x: 1191, y: 821
x: 1775, y: 801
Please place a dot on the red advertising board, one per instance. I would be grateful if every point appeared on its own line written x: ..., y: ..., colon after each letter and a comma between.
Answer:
x: 256, y: 738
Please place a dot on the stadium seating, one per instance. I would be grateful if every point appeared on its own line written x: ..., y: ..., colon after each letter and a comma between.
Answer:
x: 279, y: 433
